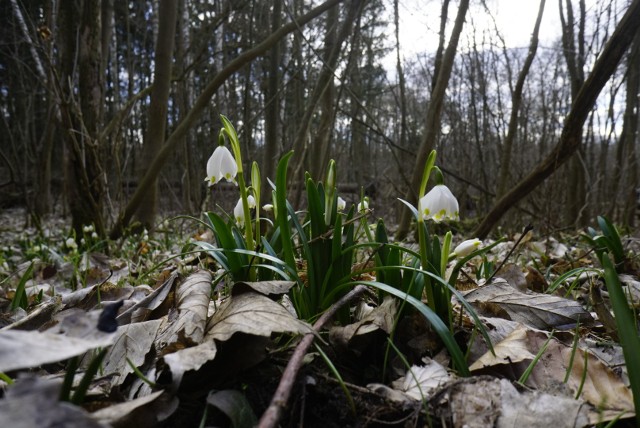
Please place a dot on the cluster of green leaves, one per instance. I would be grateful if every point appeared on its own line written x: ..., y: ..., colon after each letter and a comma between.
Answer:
x: 317, y: 248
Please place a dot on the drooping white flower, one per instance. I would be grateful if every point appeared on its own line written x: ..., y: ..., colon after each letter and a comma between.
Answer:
x: 221, y: 165
x: 467, y: 247
x: 439, y: 204
x: 267, y: 207
x: 364, y: 204
x: 71, y: 244
x: 342, y: 204
x: 238, y: 211
x: 88, y: 228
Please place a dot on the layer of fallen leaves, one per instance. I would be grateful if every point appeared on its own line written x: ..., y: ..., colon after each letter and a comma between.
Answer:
x: 184, y: 352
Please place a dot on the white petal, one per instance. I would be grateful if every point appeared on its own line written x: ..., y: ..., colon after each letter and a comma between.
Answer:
x: 221, y: 165
x: 467, y: 247
x: 439, y: 204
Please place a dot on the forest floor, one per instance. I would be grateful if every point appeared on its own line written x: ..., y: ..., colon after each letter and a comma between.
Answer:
x: 159, y: 345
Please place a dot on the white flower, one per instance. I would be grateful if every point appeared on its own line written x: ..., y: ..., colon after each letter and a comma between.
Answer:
x: 87, y: 229
x: 467, y: 247
x: 364, y: 204
x: 221, y: 165
x: 94, y: 235
x: 439, y: 204
x: 36, y: 248
x: 267, y: 207
x: 238, y: 211
x: 342, y: 204
x: 71, y: 243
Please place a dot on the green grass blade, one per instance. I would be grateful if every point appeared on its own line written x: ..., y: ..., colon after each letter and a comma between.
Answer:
x: 627, y: 332
x: 459, y: 362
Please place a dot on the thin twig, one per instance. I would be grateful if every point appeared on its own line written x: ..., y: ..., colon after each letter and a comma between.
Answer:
x: 526, y: 230
x: 271, y: 416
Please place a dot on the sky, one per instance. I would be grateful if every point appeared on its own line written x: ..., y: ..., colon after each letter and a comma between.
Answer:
x: 419, y: 21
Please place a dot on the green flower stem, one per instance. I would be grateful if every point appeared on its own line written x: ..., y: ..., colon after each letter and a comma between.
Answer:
x: 256, y: 184
x: 431, y: 160
x: 237, y: 154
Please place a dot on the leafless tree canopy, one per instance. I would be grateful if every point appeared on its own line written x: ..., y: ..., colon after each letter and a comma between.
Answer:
x: 103, y: 102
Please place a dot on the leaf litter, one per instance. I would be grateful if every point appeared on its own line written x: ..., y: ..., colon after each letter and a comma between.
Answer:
x: 182, y: 349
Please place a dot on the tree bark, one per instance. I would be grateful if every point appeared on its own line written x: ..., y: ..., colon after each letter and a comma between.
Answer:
x: 200, y: 105
x: 157, y: 118
x: 571, y: 136
x: 272, y: 106
x: 516, y: 101
x: 432, y: 126
x: 330, y: 60
x: 85, y: 177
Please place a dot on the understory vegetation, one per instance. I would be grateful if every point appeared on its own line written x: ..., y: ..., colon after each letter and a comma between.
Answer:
x: 274, y: 316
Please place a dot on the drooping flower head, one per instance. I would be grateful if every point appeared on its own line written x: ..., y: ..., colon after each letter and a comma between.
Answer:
x: 221, y: 165
x: 439, y: 204
x: 238, y: 211
x: 364, y: 204
x: 467, y: 247
x: 342, y: 204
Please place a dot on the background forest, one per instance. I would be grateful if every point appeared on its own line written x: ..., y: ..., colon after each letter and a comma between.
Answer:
x: 110, y: 109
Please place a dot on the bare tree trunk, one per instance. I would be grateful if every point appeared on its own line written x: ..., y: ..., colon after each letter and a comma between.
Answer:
x: 574, y: 54
x: 401, y: 82
x: 330, y: 60
x: 190, y: 181
x: 85, y: 176
x: 272, y: 105
x: 629, y: 137
x: 199, y: 107
x: 516, y: 101
x: 571, y: 136
x: 432, y: 126
x: 325, y: 128
x: 156, y: 124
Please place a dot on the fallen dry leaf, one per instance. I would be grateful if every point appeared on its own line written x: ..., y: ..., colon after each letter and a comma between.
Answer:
x: 490, y: 402
x: 602, y: 388
x: 537, y: 310
x: 255, y: 314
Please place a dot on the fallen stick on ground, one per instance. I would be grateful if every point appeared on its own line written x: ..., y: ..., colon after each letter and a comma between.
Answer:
x: 271, y: 416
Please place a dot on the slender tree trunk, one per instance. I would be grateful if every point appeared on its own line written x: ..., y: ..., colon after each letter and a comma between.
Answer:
x: 571, y: 136
x: 516, y: 101
x: 325, y: 128
x: 157, y: 119
x: 630, y: 132
x: 432, y: 126
x: 272, y: 105
x: 574, y: 55
x: 330, y: 60
x: 82, y: 40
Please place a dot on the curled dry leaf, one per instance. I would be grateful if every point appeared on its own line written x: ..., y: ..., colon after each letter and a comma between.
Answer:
x: 140, y: 412
x: 537, y: 310
x: 268, y: 288
x: 29, y: 349
x: 420, y: 381
x: 33, y: 402
x: 132, y: 341
x: 141, y: 310
x: 192, y: 298
x: 255, y: 314
x: 379, y: 318
x: 482, y: 401
x: 602, y: 387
